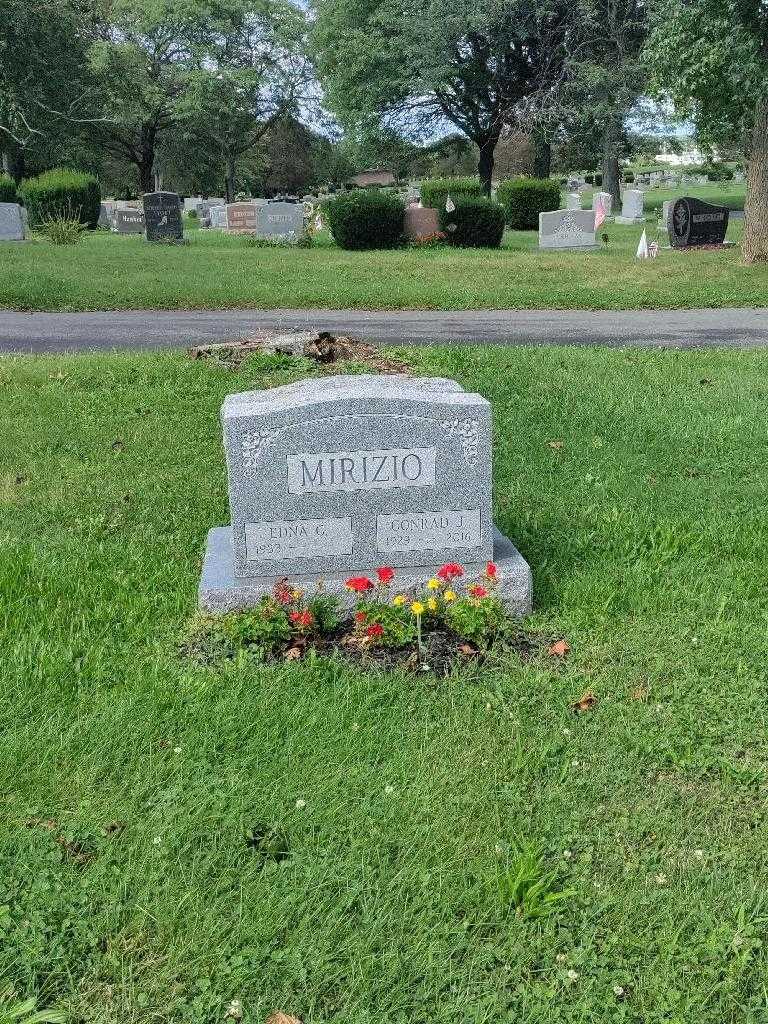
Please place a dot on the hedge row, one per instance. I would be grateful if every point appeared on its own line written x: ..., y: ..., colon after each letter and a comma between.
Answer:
x: 374, y: 220
x: 62, y: 193
x: 524, y: 199
x: 435, y: 191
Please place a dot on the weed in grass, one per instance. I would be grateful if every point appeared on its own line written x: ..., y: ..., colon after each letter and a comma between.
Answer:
x: 527, y: 887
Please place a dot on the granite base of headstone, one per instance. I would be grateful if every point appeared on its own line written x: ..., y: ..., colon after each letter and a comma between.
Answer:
x: 632, y: 211
x: 692, y: 223
x: 13, y: 225
x: 162, y: 217
x: 567, y: 229
x: 421, y: 222
x: 331, y: 478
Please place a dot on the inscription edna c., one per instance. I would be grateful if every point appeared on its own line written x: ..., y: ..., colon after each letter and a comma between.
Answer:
x: 361, y: 471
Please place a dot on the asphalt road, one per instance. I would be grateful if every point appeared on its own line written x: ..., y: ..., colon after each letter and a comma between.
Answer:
x: 141, y: 329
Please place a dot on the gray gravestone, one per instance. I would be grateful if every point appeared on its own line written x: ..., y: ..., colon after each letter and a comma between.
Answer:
x: 280, y: 220
x: 567, y: 229
x: 607, y: 202
x: 128, y: 221
x: 218, y: 216
x: 331, y: 478
x: 12, y: 222
x: 106, y: 213
x: 572, y: 201
x: 162, y: 217
x: 632, y: 211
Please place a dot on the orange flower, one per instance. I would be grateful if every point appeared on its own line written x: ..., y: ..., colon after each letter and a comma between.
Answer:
x: 491, y: 571
x: 302, y: 619
x: 360, y: 617
x: 385, y: 574
x: 477, y: 590
x: 360, y: 584
x: 449, y: 571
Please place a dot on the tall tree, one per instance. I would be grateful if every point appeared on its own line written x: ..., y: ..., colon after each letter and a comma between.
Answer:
x: 421, y: 64
x: 145, y: 57
x: 719, y: 76
x: 46, y: 91
x: 254, y: 73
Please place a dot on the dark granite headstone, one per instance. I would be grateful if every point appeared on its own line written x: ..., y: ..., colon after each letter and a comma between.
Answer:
x: 691, y: 222
x: 162, y: 214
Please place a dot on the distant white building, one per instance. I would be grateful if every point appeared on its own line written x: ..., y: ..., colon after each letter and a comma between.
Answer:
x: 690, y: 156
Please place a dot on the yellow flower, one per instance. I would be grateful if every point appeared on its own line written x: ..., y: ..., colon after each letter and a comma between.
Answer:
x: 297, y: 595
x: 432, y: 604
x: 449, y: 595
x: 417, y: 608
x: 433, y: 584
x: 399, y: 600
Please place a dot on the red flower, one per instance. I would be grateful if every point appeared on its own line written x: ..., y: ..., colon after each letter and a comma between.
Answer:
x: 385, y: 574
x: 360, y: 616
x: 449, y: 572
x: 360, y: 584
x: 477, y: 590
x: 375, y: 629
x: 491, y: 571
x: 302, y: 619
x: 282, y: 592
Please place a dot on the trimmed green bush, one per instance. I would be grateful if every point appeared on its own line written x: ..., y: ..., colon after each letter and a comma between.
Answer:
x: 524, y: 199
x: 629, y: 177
x: 435, y: 191
x: 366, y: 220
x: 62, y: 193
x: 476, y: 222
x: 717, y: 172
x: 8, y: 192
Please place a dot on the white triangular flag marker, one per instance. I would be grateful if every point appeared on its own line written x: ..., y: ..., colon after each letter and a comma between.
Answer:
x: 642, y: 249
x: 450, y: 206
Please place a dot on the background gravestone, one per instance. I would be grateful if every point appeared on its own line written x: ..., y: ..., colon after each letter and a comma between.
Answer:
x: 607, y: 202
x: 333, y: 477
x: 128, y: 221
x: 162, y: 217
x: 567, y: 229
x: 218, y: 216
x: 241, y: 217
x: 280, y: 220
x: 572, y: 201
x: 692, y: 222
x: 420, y: 222
x: 12, y: 223
x: 632, y: 211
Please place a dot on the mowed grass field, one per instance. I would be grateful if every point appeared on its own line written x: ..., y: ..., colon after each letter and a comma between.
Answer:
x: 132, y: 778
x: 217, y: 271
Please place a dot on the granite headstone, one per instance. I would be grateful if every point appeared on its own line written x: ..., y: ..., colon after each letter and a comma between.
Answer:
x: 607, y: 202
x: 333, y: 477
x: 631, y: 207
x: 420, y: 222
x: 12, y: 223
x: 572, y: 201
x: 567, y: 229
x: 280, y: 220
x: 162, y: 217
x: 692, y: 222
x: 128, y: 221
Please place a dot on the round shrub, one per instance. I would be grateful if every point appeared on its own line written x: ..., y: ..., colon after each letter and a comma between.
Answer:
x: 435, y: 191
x: 366, y: 220
x: 8, y: 192
x: 62, y: 193
x: 629, y: 177
x: 718, y: 172
x: 524, y: 199
x: 476, y: 222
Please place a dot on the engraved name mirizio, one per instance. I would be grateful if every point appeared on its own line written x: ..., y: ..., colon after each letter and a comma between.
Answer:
x: 361, y: 471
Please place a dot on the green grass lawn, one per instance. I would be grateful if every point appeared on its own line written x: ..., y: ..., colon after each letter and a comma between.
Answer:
x: 218, y: 271
x: 131, y: 777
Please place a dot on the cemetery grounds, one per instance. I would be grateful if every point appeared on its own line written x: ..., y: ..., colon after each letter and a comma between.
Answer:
x: 212, y: 270
x: 411, y: 814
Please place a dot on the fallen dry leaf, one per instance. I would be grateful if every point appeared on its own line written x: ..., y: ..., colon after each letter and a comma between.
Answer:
x: 585, y: 703
x: 48, y: 823
x: 114, y: 828
x: 559, y: 649
x: 292, y: 654
x: 467, y: 649
x: 75, y: 850
x: 557, y: 445
x: 281, y: 1018
x: 639, y: 693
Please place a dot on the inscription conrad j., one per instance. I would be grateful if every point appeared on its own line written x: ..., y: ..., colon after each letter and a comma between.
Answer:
x: 361, y: 471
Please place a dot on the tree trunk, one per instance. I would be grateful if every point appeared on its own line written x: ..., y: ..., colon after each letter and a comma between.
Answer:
x: 754, y: 247
x: 611, y: 169
x: 146, y: 178
x: 230, y: 183
x: 6, y: 164
x: 487, y: 147
x: 146, y: 161
x: 542, y: 156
